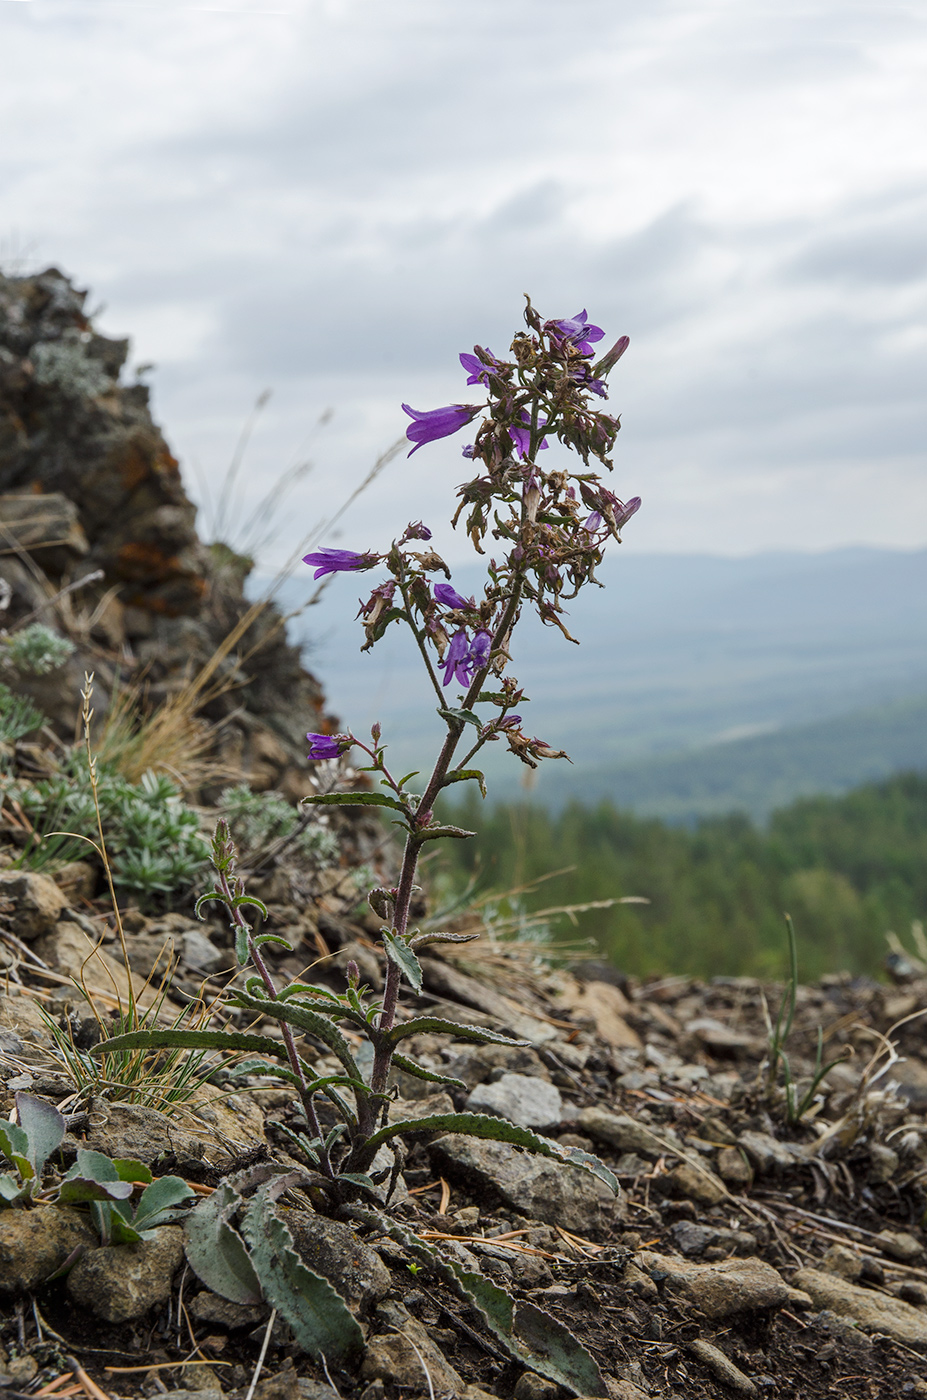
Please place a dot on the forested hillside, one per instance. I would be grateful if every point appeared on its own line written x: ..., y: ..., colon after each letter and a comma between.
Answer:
x: 847, y: 869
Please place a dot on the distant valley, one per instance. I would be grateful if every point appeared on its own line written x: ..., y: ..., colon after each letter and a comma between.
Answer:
x: 702, y: 684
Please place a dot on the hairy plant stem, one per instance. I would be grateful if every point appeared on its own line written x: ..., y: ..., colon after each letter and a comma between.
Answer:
x: 287, y: 1031
x: 383, y: 1052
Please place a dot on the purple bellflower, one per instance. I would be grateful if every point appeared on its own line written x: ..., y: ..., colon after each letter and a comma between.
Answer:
x: 437, y: 422
x: 464, y: 657
x: 327, y: 745
x: 577, y: 329
x: 333, y: 561
x: 477, y: 371
x: 451, y: 598
x: 627, y: 510
x: 522, y: 436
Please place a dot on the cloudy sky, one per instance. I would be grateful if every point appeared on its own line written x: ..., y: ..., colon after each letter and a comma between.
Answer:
x: 332, y: 198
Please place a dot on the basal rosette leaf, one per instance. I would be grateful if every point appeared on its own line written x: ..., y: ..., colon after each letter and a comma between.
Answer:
x: 321, y: 1321
x: 44, y: 1127
x: 216, y: 1252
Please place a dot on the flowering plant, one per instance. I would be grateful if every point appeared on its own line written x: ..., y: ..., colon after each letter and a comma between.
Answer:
x: 548, y: 526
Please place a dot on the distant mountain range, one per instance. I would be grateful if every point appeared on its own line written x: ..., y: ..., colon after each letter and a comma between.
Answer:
x: 702, y: 684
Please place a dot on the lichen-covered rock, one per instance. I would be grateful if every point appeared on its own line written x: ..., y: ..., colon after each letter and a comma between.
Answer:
x: 34, y: 1243
x: 866, y: 1306
x: 121, y: 1282
x: 332, y: 1249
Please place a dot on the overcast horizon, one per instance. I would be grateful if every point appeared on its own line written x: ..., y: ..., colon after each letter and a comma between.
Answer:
x: 333, y: 198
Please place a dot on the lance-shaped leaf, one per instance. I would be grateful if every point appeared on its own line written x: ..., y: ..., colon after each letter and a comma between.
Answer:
x: 422, y: 940
x: 355, y: 799
x: 321, y: 1321
x: 192, y: 1040
x: 532, y: 1336
x: 482, y: 1125
x: 216, y: 1252
x: 305, y: 1020
x: 434, y: 833
x: 420, y: 1072
x: 439, y: 1026
x: 399, y: 952
x: 14, y: 1144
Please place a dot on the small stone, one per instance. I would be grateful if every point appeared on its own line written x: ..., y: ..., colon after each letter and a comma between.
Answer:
x: 622, y: 1132
x: 898, y: 1244
x: 393, y: 1358
x: 693, y: 1183
x: 530, y: 1386
x: 283, y: 1386
x: 843, y: 1262
x: 629, y: 1164
x: 220, y: 1312
x: 733, y: 1168
x: 531, y: 1103
x: 34, y: 1243
x: 767, y: 1154
x: 468, y: 1217
x: 878, y: 1311
x: 713, y: 1130
x: 201, y: 955
x: 722, y: 1367
x: 121, y: 1282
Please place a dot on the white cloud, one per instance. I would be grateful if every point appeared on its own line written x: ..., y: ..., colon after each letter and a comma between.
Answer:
x: 335, y: 198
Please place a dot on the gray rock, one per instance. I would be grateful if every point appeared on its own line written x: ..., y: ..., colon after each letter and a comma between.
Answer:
x: 530, y: 1386
x: 220, y: 1312
x: 37, y: 902
x: 401, y: 1356
x: 884, y: 1162
x: 131, y: 1130
x: 193, y: 1395
x: 543, y: 1189
x: 201, y: 955
x: 899, y: 1244
x: 767, y: 1154
x: 34, y: 1243
x: 731, y: 1286
x: 531, y: 1103
x: 693, y: 1182
x: 691, y: 1239
x: 722, y: 1367
x: 476, y: 1063
x: 332, y: 1249
x: 733, y: 1168
x: 843, y: 1262
x: 865, y: 1306
x: 121, y: 1282
x: 626, y: 1134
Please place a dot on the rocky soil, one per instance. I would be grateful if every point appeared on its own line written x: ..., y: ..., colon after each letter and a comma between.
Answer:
x: 746, y: 1255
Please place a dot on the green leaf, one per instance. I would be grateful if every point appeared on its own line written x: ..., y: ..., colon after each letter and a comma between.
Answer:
x: 462, y: 716
x: 355, y: 799
x: 408, y: 778
x: 481, y: 1125
x: 44, y: 1127
x: 205, y: 899
x: 491, y: 697
x: 399, y: 952
x: 300, y: 1016
x: 128, y: 1169
x: 192, y: 1040
x: 434, y: 833
x: 159, y: 1201
x: 422, y: 940
x: 14, y: 1144
x: 11, y: 1191
x: 420, y: 1072
x: 242, y: 951
x: 532, y: 1336
x: 81, y: 1187
x: 463, y: 775
x: 216, y: 1252
x: 321, y: 1321
x: 439, y: 1026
